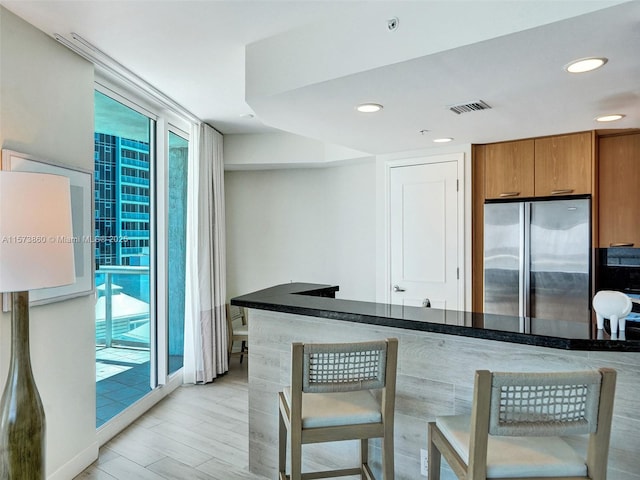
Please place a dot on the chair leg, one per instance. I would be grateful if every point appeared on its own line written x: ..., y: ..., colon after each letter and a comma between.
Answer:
x: 242, y: 350
x: 433, y: 455
x: 296, y: 459
x: 364, y: 456
x: 388, y: 466
x: 282, y: 447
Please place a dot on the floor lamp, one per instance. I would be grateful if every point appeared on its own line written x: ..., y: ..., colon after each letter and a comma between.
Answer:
x: 36, y: 251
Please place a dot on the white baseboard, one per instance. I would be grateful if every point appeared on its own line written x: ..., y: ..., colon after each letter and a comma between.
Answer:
x: 77, y: 464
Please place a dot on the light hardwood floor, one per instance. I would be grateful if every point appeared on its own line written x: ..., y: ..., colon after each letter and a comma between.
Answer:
x: 199, y: 432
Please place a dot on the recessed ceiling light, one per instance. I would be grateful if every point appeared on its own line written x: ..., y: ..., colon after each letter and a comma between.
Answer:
x: 442, y: 140
x: 585, y: 64
x: 369, y: 107
x: 609, y: 118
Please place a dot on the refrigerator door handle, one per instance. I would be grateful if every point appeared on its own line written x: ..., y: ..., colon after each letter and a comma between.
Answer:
x: 525, y: 258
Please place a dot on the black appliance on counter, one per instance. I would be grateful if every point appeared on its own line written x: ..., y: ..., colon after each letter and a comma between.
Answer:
x: 619, y: 269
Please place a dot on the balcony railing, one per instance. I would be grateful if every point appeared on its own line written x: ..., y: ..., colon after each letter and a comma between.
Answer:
x: 122, y: 309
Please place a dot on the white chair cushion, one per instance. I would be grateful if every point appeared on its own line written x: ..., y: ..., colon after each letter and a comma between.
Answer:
x: 241, y: 330
x: 336, y: 409
x: 516, y: 457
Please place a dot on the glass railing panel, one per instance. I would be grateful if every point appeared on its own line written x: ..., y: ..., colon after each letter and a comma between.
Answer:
x: 122, y: 307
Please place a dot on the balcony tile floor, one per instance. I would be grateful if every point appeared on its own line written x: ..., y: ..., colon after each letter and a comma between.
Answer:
x: 122, y: 378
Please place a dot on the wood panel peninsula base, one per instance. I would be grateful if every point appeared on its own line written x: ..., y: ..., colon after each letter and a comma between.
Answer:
x: 436, y: 364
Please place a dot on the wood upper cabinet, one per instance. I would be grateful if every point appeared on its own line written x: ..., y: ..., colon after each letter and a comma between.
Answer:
x: 619, y: 190
x: 509, y: 169
x: 563, y: 164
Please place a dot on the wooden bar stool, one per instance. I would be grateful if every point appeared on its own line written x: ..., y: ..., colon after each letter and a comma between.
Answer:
x: 331, y: 399
x: 516, y: 422
x: 237, y: 331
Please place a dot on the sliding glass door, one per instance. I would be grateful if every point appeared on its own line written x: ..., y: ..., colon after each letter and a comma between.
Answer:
x: 124, y: 159
x: 141, y: 182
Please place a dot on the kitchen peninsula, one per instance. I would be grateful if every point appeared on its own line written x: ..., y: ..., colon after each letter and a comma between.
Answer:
x: 437, y: 360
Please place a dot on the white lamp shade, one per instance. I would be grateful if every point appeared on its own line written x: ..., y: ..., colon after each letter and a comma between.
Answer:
x: 36, y: 234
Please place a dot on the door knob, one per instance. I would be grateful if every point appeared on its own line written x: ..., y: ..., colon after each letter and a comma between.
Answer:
x: 396, y: 288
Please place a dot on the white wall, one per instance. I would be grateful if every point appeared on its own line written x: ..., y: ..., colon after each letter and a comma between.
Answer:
x: 302, y: 224
x: 46, y: 110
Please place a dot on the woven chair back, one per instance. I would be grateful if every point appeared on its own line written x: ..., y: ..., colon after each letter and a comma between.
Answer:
x: 544, y: 404
x: 344, y: 367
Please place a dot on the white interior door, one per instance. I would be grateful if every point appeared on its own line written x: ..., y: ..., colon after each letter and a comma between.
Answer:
x: 424, y: 235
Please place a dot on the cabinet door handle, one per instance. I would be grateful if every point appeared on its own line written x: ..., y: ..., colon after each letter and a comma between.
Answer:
x: 509, y: 194
x: 562, y: 192
x: 621, y: 244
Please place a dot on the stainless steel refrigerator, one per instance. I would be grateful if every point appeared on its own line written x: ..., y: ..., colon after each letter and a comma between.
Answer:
x: 537, y: 259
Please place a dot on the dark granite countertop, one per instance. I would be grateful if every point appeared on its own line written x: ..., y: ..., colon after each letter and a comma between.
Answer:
x: 318, y: 301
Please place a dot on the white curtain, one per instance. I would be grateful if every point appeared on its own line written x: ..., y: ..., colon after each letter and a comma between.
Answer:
x: 205, y: 349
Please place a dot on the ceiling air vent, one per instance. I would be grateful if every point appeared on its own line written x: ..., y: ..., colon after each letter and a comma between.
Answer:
x: 469, y: 107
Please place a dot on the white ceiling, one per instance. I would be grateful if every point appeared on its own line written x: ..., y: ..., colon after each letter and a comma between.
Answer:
x: 301, y: 66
